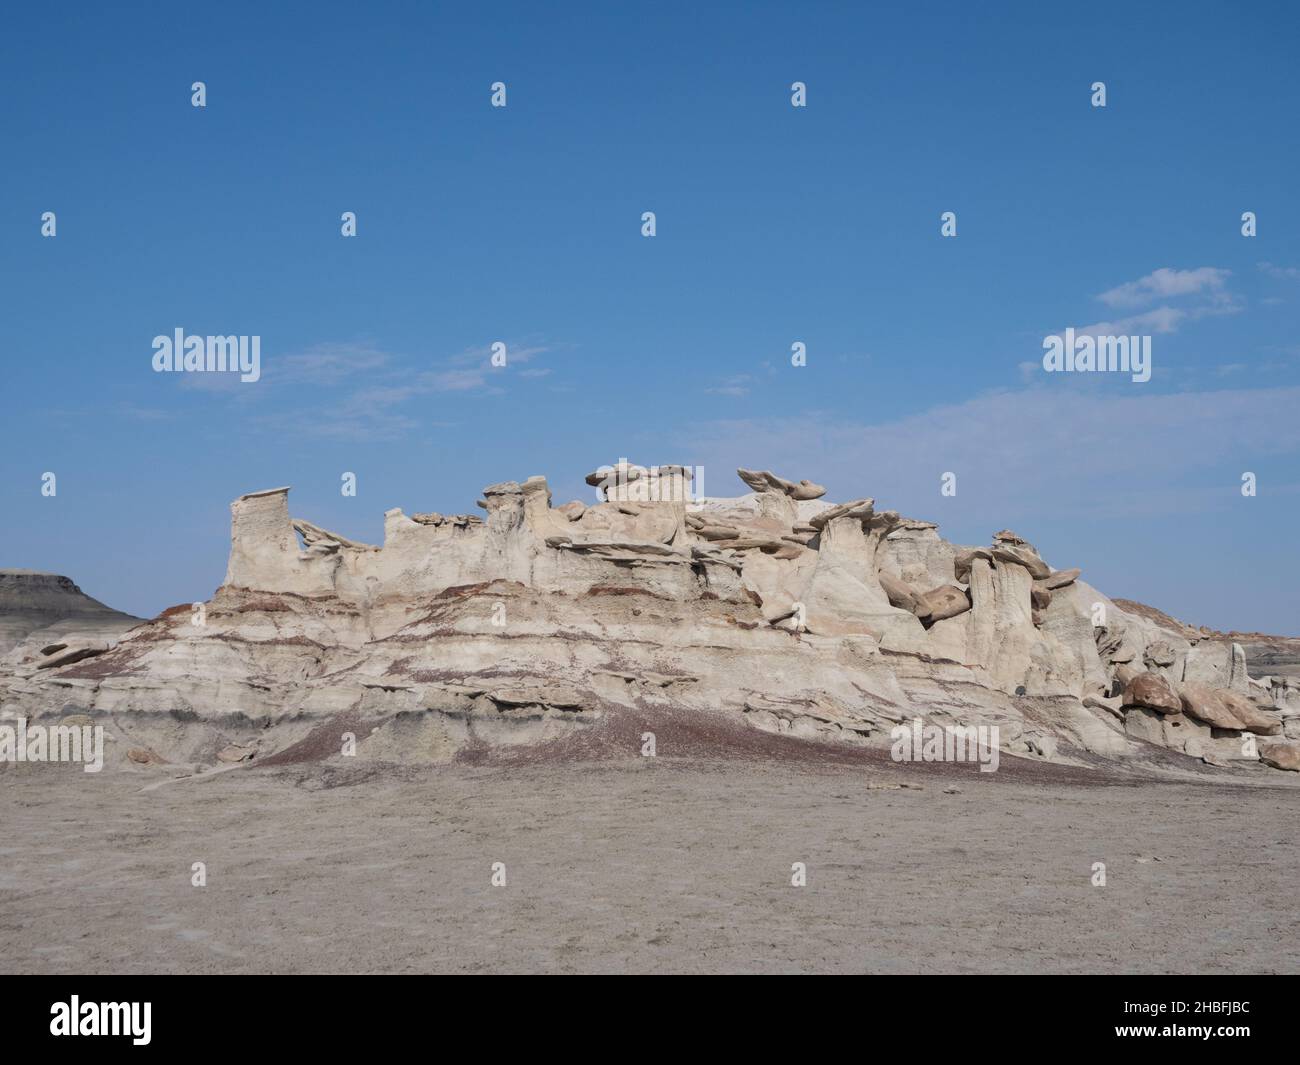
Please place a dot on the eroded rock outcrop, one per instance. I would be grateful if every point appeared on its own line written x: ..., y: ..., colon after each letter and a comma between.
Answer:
x: 765, y: 480
x: 533, y: 622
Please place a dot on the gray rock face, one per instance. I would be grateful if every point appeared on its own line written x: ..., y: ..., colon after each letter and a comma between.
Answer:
x: 533, y: 623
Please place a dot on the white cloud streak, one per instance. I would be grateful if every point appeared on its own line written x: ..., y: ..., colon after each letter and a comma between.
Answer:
x: 1166, y: 283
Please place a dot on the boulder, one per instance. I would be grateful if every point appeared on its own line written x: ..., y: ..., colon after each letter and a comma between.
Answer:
x: 1281, y: 755
x: 1061, y: 578
x: 1154, y: 692
x: 1022, y: 556
x: 946, y: 601
x: 610, y: 476
x: 629, y: 483
x: 1252, y: 718
x: 1226, y: 710
x: 901, y: 595
x: 1159, y: 655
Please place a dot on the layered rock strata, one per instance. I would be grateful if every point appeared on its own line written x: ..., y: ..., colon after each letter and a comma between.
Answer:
x: 775, y: 609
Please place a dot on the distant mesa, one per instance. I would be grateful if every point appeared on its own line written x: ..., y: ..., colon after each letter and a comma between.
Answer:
x: 36, y: 607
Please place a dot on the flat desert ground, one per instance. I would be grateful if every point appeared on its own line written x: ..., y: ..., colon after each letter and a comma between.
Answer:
x: 646, y: 865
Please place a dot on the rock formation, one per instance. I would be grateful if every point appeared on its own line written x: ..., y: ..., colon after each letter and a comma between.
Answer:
x: 774, y: 609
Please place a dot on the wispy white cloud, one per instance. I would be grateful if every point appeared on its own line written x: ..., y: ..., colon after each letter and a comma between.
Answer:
x: 1208, y: 284
x: 327, y: 364
x: 472, y: 370
x: 1167, y: 283
x: 735, y: 386
x: 358, y: 390
x: 1281, y: 273
x: 1157, y: 320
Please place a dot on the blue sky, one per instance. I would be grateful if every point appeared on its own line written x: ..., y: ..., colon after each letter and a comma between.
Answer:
x: 775, y: 224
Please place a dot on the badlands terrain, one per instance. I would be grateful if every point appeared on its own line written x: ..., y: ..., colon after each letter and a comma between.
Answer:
x: 646, y: 710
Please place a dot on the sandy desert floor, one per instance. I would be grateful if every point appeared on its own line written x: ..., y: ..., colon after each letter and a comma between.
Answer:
x: 635, y: 865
